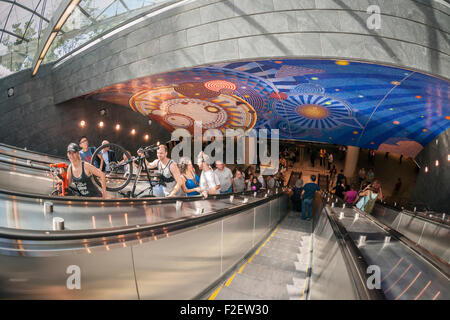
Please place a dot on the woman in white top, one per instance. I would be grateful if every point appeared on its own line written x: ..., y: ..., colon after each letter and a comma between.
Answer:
x: 209, y: 182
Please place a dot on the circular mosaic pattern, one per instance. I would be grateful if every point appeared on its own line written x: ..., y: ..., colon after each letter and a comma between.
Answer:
x: 253, y: 98
x: 179, y: 120
x: 316, y: 111
x: 312, y: 111
x: 221, y: 113
x: 218, y: 85
x: 310, y: 88
x: 195, y: 90
x: 211, y: 115
x: 212, y: 109
x: 226, y: 91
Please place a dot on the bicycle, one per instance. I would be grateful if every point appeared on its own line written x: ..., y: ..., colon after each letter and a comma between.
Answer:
x: 58, y: 171
x: 119, y: 169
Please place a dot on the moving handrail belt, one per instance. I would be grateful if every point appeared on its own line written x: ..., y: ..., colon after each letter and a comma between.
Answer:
x: 437, y: 262
x: 425, y: 264
x: 3, y: 146
x: 155, y: 229
x: 354, y: 259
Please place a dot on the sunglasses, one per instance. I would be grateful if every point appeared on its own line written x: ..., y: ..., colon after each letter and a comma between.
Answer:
x: 83, y: 141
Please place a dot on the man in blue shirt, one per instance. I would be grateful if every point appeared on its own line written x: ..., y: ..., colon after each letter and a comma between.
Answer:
x: 86, y: 152
x: 309, y: 190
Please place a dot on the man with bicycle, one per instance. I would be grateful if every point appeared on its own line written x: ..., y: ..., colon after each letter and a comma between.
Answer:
x: 169, y: 173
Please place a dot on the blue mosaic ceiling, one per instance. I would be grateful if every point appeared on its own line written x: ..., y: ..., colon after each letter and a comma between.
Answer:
x: 333, y: 101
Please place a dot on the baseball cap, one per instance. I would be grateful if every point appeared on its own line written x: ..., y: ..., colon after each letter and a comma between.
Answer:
x: 73, y: 147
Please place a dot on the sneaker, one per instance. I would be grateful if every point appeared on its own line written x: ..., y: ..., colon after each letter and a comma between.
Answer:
x: 308, y: 219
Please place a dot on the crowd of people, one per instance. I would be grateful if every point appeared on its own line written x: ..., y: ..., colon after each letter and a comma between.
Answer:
x: 175, y: 179
x: 361, y: 194
x: 182, y: 178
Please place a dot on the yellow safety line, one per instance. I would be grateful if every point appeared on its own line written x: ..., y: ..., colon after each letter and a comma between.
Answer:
x: 215, y: 293
x: 242, y: 268
x: 229, y: 280
x: 250, y: 260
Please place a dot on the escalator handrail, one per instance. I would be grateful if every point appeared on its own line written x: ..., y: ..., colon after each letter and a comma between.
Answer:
x: 146, y: 200
x: 45, y: 162
x: 30, y: 151
x: 418, y: 214
x: 155, y: 229
x: 434, y: 260
x: 354, y: 259
x: 25, y: 165
x: 142, y: 177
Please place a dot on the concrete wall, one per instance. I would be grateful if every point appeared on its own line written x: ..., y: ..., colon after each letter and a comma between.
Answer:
x: 433, y: 188
x: 413, y: 34
x: 31, y: 119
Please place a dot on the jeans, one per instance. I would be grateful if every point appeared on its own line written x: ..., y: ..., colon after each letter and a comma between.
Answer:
x: 230, y: 190
x: 304, y: 203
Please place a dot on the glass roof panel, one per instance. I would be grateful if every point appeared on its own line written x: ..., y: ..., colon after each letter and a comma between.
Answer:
x: 23, y: 23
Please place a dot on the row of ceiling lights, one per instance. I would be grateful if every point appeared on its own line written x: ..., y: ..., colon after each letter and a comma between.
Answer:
x: 117, y: 127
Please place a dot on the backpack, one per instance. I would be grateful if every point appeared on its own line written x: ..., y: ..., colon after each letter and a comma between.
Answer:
x: 370, y: 204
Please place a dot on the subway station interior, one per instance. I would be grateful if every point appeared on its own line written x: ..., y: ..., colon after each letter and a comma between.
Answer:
x: 354, y: 100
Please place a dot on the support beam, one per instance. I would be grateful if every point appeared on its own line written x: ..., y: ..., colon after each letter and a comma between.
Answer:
x: 14, y: 35
x: 60, y: 16
x: 26, y: 8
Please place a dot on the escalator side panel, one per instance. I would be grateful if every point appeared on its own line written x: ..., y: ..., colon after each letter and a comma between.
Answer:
x: 329, y: 278
x: 237, y: 238
x: 103, y: 275
x: 432, y: 236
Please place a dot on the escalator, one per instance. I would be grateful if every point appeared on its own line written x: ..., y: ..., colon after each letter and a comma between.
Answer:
x: 249, y: 247
x: 406, y: 270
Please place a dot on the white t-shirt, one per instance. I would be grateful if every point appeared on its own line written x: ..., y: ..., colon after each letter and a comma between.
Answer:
x: 261, y: 180
x: 208, y: 180
x: 225, y: 177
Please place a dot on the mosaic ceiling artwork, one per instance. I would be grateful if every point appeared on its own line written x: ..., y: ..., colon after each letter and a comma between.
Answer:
x: 333, y: 101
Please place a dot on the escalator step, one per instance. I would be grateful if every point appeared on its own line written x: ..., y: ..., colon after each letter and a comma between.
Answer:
x: 284, y: 265
x: 262, y: 272
x: 279, y: 245
x: 229, y: 294
x: 257, y: 288
x: 285, y: 241
x: 279, y: 254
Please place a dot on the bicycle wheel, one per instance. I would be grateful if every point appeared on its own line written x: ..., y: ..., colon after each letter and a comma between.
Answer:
x: 119, y: 169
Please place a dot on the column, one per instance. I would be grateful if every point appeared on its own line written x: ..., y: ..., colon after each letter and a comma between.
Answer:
x: 351, y: 161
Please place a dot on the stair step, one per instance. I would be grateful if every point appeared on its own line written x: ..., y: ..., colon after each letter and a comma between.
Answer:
x: 262, y: 289
x: 263, y: 272
x: 291, y: 237
x: 283, y: 247
x: 229, y: 294
x: 279, y: 254
x: 274, y: 263
x: 286, y: 241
